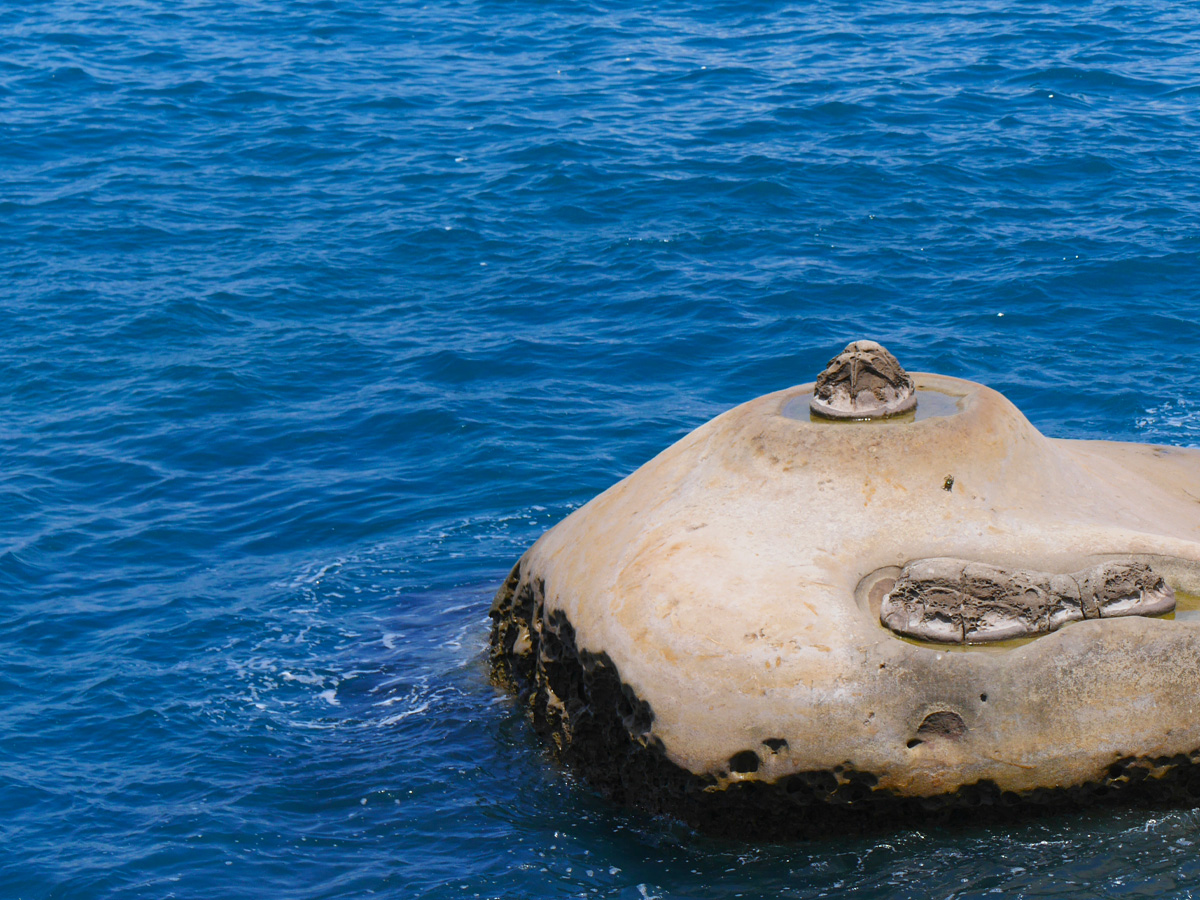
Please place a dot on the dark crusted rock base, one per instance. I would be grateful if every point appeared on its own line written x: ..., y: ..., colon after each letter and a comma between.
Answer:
x: 597, y: 726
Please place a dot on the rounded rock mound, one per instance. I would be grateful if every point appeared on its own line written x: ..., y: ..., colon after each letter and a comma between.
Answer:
x: 705, y: 638
x: 864, y: 381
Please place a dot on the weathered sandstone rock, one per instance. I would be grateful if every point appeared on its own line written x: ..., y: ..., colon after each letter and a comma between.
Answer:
x: 704, y: 637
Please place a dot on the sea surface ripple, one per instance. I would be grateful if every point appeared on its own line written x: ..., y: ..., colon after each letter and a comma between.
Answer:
x: 318, y: 313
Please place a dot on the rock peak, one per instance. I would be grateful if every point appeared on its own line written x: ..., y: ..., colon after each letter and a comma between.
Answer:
x: 864, y: 381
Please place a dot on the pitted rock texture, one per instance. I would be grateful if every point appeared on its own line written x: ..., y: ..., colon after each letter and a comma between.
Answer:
x: 597, y: 725
x: 864, y: 381
x: 957, y: 601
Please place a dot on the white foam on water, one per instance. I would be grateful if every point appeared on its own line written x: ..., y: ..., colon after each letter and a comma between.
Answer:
x: 404, y: 714
x: 314, y: 573
x: 1174, y: 421
x: 303, y: 679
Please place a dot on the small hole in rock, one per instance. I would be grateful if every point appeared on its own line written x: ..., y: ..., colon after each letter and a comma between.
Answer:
x: 914, y: 742
x: 983, y: 698
x: 776, y: 744
x: 746, y: 761
x: 942, y: 724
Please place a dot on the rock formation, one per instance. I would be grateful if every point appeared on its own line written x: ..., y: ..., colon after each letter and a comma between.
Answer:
x: 704, y: 638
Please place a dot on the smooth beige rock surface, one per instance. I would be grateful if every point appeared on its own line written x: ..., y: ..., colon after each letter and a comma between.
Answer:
x: 727, y: 580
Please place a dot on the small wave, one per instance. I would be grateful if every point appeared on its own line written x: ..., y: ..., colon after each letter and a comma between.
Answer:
x: 1087, y: 80
x: 1175, y: 421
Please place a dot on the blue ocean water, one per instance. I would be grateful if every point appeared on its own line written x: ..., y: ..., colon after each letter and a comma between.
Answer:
x: 316, y: 314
